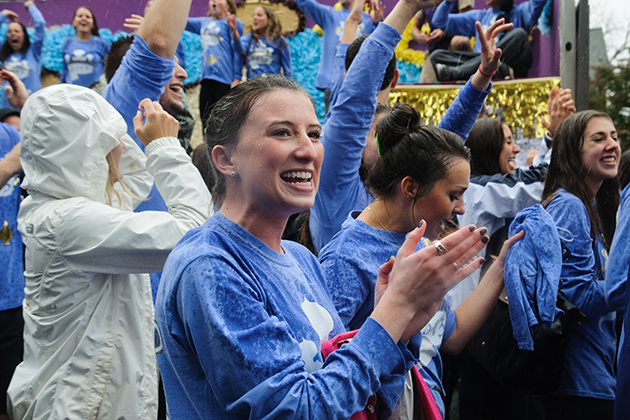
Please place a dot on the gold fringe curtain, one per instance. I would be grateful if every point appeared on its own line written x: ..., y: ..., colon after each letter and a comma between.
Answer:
x: 522, y: 102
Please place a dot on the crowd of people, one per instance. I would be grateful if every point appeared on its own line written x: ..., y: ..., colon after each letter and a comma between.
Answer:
x: 154, y: 285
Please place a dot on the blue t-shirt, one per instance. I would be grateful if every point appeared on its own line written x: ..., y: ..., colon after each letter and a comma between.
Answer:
x: 83, y: 60
x: 27, y: 66
x: 348, y: 123
x: 265, y: 56
x: 220, y: 59
x: 239, y: 328
x: 350, y: 263
x: 590, y: 358
x: 332, y: 23
x: 12, y: 272
x: 142, y: 74
x: 524, y: 15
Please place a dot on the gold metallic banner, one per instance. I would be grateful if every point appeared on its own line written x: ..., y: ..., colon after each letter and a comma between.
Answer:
x: 522, y: 102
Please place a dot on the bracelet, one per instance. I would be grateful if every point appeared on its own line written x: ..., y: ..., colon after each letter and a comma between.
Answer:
x: 489, y: 76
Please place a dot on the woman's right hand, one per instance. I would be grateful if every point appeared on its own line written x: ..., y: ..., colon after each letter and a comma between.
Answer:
x: 11, y: 15
x: 158, y: 122
x: 419, y: 280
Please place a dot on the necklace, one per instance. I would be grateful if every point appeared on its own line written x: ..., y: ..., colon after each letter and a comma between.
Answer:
x: 382, y: 225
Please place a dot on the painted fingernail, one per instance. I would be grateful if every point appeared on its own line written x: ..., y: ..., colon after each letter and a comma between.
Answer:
x: 483, y: 231
x: 472, y: 228
x: 485, y: 239
x: 481, y: 262
x: 420, y: 223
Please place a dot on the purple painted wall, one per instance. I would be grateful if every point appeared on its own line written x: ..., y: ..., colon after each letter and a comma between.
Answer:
x: 112, y: 13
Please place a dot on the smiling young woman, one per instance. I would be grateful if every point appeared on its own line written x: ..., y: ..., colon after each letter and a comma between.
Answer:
x: 21, y: 55
x: 582, y: 195
x: 83, y: 54
x: 234, y: 282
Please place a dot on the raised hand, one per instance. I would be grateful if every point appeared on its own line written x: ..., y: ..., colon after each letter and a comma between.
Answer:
x: 133, y: 22
x: 377, y: 11
x: 490, y: 54
x: 11, y: 15
x: 28, y: 4
x: 158, y: 123
x: 16, y: 92
x: 560, y: 106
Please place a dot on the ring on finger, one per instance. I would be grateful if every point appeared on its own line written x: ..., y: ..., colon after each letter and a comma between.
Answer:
x: 456, y: 266
x: 441, y: 249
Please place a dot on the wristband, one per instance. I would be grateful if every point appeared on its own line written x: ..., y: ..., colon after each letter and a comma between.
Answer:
x: 489, y: 76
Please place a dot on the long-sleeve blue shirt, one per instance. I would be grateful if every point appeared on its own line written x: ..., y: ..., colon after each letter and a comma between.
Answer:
x: 221, y: 61
x: 83, y: 60
x: 12, y: 273
x: 27, y: 66
x: 350, y: 263
x: 332, y: 23
x: 238, y: 333
x: 590, y: 358
x: 524, y: 15
x: 265, y: 56
x: 348, y: 123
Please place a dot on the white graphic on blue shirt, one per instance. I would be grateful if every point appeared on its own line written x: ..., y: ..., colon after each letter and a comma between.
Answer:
x: 210, y: 36
x: 322, y: 322
x: 79, y: 63
x: 8, y: 188
x: 259, y: 55
x: 19, y: 67
x: 342, y: 25
x: 432, y: 336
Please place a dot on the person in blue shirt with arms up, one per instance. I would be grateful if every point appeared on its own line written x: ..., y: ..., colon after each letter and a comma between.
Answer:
x: 83, y: 54
x: 221, y: 65
x: 517, y: 54
x: 267, y: 51
x: 332, y: 23
x: 19, y: 54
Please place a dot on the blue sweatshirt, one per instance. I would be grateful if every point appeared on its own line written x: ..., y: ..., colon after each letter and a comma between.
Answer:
x: 590, y: 358
x: 350, y: 263
x: 265, y: 56
x: 27, y: 66
x: 142, y: 74
x: 348, y: 123
x: 618, y: 298
x: 524, y: 15
x: 332, y: 23
x: 12, y: 272
x: 83, y: 60
x: 238, y: 333
x: 221, y: 60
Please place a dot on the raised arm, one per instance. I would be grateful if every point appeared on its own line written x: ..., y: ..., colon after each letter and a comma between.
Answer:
x: 163, y: 26
x: 462, y: 114
x: 456, y: 24
x: 318, y: 12
x: 37, y: 42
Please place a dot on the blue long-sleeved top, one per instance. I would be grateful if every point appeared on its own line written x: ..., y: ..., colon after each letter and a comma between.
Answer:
x: 27, y: 66
x: 220, y: 60
x: 239, y: 328
x: 83, y: 60
x: 142, y: 74
x: 492, y: 201
x: 348, y: 123
x: 12, y: 273
x: 350, y: 262
x: 524, y: 15
x: 332, y: 23
x: 265, y: 56
x: 618, y: 298
x: 532, y: 273
x: 589, y: 361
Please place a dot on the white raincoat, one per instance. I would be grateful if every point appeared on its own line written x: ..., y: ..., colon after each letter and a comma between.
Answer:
x: 88, y: 335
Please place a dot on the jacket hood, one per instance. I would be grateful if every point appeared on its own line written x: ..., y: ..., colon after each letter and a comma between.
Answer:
x: 67, y: 132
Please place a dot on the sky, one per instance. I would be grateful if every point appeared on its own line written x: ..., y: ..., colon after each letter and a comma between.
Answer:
x: 613, y: 16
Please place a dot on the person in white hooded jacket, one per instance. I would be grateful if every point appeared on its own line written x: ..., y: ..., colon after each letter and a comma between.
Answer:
x: 89, y: 345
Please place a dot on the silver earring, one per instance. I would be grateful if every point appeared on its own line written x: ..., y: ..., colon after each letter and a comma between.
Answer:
x: 232, y: 174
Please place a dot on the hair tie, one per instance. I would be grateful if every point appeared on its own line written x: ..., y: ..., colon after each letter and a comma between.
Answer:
x: 378, y: 147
